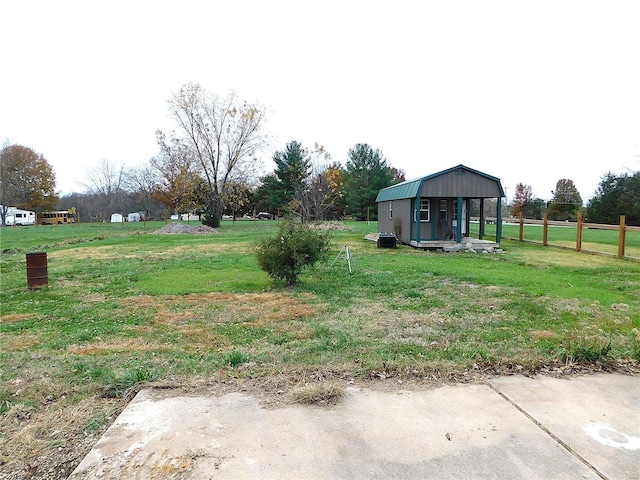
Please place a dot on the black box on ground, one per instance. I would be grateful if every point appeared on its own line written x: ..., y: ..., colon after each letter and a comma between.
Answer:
x: 387, y: 240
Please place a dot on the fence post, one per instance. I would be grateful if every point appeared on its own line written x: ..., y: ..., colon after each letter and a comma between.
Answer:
x: 622, y: 234
x: 579, y: 233
x: 521, y: 227
x: 545, y: 230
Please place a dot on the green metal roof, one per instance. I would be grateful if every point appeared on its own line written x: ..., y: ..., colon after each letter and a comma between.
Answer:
x: 408, y: 189
x: 411, y: 188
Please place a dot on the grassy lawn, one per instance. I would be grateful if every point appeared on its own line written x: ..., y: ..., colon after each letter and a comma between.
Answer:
x: 596, y: 240
x: 126, y: 307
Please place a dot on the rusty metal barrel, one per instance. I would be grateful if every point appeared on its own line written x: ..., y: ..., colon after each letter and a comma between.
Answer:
x: 37, y: 270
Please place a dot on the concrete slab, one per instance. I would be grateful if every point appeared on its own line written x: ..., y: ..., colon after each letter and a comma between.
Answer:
x: 463, y: 431
x: 597, y: 417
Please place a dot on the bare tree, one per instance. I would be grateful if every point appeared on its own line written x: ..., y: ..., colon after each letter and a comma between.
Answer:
x: 142, y: 184
x: 222, y: 134
x: 178, y: 174
x: 107, y: 183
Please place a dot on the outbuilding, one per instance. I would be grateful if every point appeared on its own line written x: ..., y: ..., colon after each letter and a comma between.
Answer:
x: 117, y: 218
x: 433, y: 211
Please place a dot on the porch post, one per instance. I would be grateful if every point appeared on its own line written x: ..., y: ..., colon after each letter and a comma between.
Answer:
x: 481, y: 226
x: 460, y: 220
x: 416, y: 217
x: 499, y: 221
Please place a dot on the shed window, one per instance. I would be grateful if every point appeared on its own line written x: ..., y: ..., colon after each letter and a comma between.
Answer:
x: 391, y: 210
x: 424, y: 209
x: 454, y: 213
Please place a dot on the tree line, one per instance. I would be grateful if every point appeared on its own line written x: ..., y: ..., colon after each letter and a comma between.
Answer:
x: 616, y: 195
x: 209, y: 165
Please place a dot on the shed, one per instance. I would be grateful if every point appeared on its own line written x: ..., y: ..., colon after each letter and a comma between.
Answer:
x: 117, y: 218
x: 433, y: 211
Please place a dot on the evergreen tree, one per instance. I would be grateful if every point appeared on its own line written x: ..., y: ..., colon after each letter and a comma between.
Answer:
x: 366, y: 174
x: 282, y: 189
x: 616, y: 195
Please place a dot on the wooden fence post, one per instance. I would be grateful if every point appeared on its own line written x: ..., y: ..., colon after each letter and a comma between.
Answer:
x: 545, y: 230
x: 579, y: 233
x: 622, y: 236
x: 521, y: 226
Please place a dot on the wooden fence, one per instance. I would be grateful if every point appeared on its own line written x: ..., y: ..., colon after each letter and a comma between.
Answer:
x: 580, y: 225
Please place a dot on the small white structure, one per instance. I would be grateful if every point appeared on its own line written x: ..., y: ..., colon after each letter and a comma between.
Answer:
x: 17, y: 216
x: 135, y: 217
x: 189, y: 217
x: 116, y: 218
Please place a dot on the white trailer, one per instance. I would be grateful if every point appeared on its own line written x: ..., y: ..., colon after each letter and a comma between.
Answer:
x: 16, y: 216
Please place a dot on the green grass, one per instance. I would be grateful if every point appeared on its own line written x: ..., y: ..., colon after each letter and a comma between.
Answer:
x: 593, y: 239
x: 126, y: 307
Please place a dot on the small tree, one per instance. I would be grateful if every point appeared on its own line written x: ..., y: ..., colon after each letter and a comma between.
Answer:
x: 295, y: 246
x: 523, y: 194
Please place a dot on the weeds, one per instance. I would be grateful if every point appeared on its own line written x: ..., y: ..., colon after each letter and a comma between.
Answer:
x: 235, y: 358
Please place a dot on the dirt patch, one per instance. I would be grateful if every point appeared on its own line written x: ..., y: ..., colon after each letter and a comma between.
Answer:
x: 177, y: 228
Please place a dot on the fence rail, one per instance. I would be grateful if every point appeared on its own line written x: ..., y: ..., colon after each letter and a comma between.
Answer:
x: 620, y: 244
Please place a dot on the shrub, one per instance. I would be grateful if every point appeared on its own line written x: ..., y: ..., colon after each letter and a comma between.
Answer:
x: 294, y: 247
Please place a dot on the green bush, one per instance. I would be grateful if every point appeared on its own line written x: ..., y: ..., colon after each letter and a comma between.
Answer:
x: 295, y: 246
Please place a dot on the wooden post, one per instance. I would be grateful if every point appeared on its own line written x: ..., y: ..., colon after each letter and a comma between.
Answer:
x: 622, y: 234
x: 521, y: 226
x: 579, y: 233
x: 545, y: 230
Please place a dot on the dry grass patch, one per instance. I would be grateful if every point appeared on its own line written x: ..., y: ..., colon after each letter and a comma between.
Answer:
x: 105, y: 252
x: 57, y: 431
x: 266, y: 307
x: 120, y: 345
x: 322, y: 394
x: 542, y: 335
x: 15, y: 343
x: 16, y: 317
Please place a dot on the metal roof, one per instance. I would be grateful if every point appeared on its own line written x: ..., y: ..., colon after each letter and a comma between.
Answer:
x: 411, y: 188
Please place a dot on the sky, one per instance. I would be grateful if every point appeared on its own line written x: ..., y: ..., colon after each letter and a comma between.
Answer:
x: 528, y: 92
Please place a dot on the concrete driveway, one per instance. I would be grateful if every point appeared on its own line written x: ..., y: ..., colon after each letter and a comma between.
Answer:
x: 509, y: 427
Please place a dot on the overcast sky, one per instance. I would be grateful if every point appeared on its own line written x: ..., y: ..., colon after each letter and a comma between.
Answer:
x: 528, y: 92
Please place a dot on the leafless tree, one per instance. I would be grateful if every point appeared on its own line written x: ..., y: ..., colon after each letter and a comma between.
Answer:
x: 106, y: 183
x: 222, y: 134
x: 142, y: 183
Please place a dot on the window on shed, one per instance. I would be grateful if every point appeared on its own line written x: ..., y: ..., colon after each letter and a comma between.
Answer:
x: 391, y: 210
x: 454, y: 213
x: 424, y: 209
